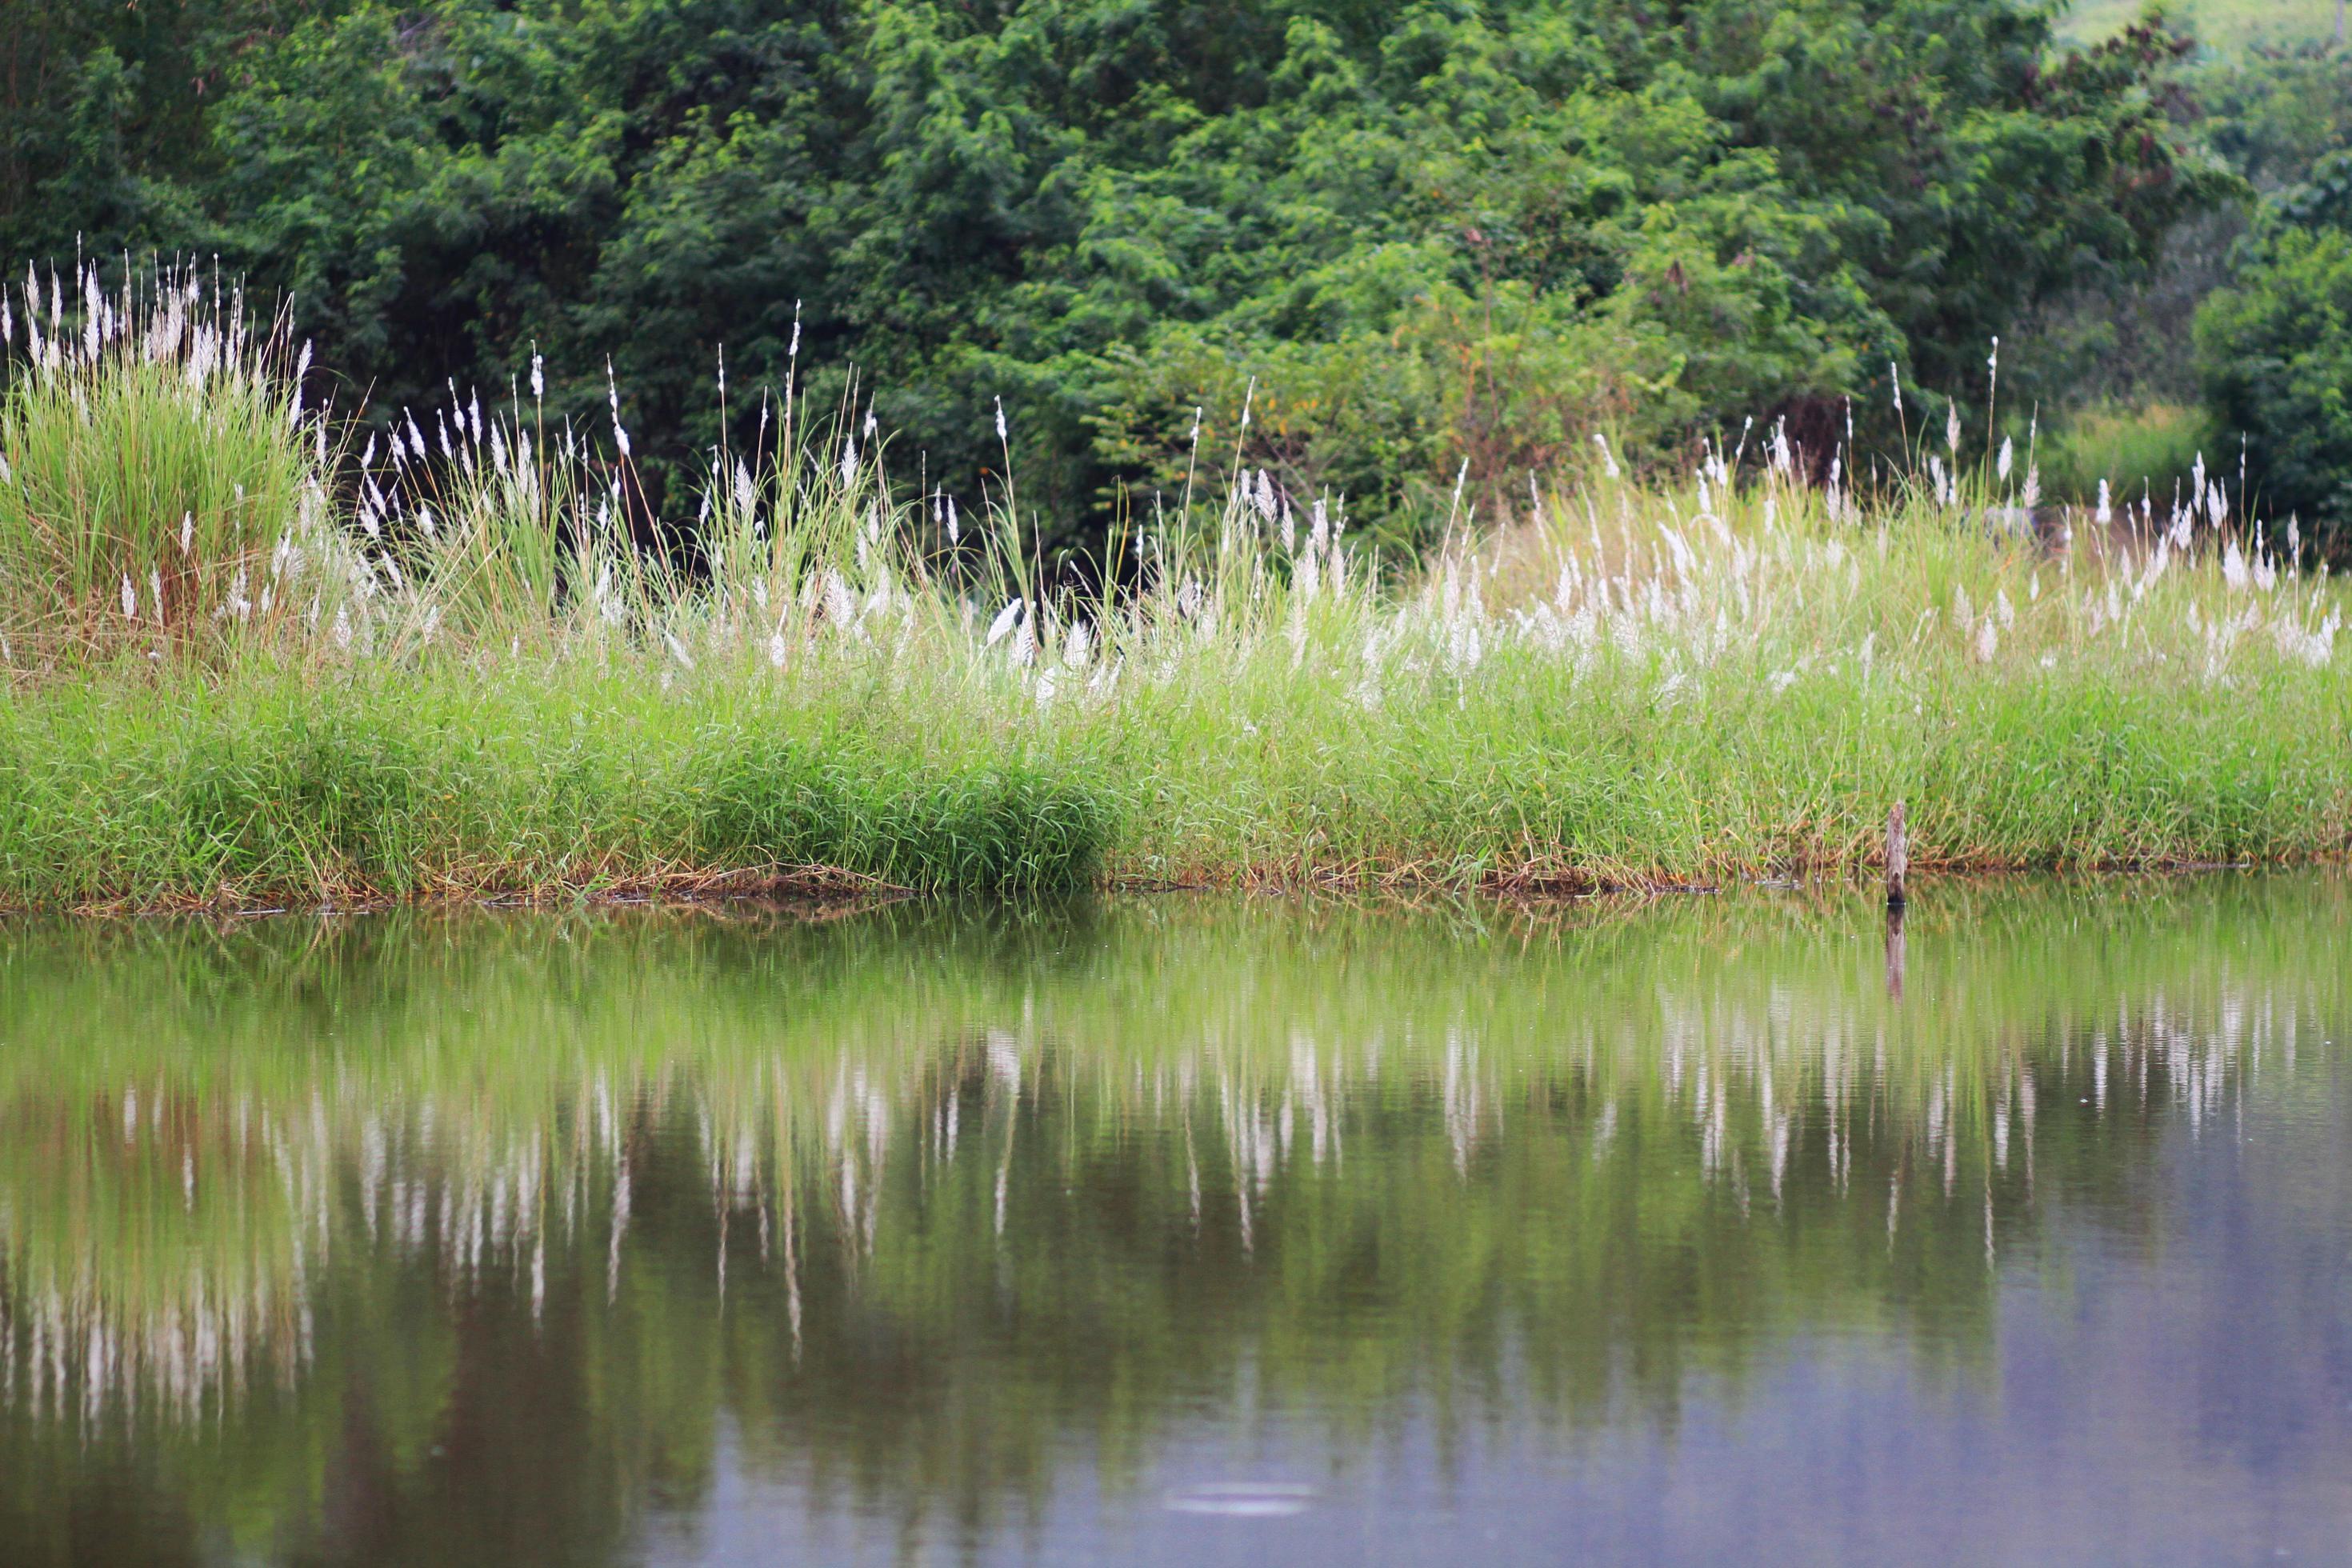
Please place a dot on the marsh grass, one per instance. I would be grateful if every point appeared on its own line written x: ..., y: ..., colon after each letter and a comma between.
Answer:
x: 163, y: 488
x: 467, y: 680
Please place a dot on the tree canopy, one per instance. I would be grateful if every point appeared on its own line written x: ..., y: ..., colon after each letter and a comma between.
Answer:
x: 1429, y: 233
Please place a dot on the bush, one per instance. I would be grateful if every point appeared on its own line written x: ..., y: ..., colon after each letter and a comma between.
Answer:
x: 2275, y: 353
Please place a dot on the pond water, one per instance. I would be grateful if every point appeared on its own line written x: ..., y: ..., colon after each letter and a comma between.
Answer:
x: 1184, y: 1231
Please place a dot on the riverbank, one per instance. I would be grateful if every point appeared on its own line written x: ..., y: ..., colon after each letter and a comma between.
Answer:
x: 401, y: 674
x: 1468, y: 753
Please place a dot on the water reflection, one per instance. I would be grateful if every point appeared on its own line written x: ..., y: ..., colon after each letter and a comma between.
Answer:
x: 589, y: 1237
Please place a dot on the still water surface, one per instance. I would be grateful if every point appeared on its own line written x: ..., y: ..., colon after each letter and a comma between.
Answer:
x: 1181, y: 1231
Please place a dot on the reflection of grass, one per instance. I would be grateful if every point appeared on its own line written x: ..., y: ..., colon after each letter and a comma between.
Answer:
x: 996, y: 1182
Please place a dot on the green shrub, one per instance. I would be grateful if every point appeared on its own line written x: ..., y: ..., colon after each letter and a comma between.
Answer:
x: 2274, y: 353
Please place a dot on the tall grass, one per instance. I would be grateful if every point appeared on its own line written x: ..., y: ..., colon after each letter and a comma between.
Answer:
x: 434, y: 662
x: 160, y: 484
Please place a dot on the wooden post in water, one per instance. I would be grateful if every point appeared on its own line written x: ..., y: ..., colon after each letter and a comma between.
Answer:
x: 1898, y: 856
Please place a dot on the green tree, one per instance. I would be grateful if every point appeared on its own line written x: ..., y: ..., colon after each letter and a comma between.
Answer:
x: 1430, y: 232
x: 2274, y: 351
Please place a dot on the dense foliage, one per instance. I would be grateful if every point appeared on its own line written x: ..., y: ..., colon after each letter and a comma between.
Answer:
x: 2275, y: 350
x: 1430, y: 233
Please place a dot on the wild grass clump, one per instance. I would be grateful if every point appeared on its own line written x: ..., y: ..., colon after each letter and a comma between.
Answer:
x: 488, y: 687
x: 161, y: 486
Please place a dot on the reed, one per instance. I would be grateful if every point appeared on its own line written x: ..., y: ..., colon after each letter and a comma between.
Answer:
x: 431, y: 663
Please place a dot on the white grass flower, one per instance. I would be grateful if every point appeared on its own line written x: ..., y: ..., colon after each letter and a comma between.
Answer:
x: 2008, y: 457
x: 677, y: 648
x: 129, y: 599
x: 1952, y: 428
x: 1001, y: 435
x: 1988, y: 641
x: 7, y: 476
x: 1002, y: 623
x: 776, y: 649
x: 294, y: 403
x: 951, y: 520
x: 538, y: 377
